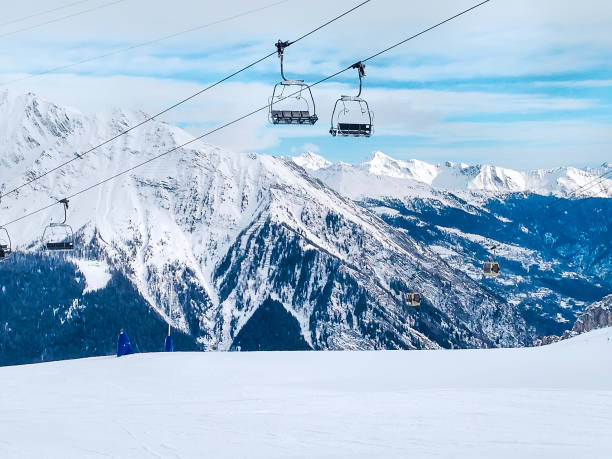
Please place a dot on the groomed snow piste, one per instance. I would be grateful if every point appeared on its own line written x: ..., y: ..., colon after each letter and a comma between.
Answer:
x: 549, y: 402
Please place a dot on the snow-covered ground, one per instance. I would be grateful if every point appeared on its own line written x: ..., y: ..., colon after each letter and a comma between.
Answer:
x: 97, y: 274
x: 554, y: 401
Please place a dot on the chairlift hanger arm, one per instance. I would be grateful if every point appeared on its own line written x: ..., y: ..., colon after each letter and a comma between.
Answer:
x: 65, y: 203
x: 280, y: 49
x: 360, y: 66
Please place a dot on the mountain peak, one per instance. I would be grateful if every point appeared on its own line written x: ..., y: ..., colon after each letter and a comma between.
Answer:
x: 310, y: 160
x: 459, y: 176
x: 378, y: 157
x: 378, y: 163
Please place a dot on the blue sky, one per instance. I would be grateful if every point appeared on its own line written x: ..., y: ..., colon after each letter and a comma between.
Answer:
x: 520, y: 84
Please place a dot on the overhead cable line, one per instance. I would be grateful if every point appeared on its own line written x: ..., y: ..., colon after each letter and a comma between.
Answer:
x: 181, y: 102
x: 41, y: 13
x: 590, y: 184
x: 145, y: 43
x: 599, y: 180
x: 561, y: 204
x: 52, y: 21
x: 234, y: 121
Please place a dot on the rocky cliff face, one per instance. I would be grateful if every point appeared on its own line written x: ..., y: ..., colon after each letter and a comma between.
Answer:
x: 596, y: 315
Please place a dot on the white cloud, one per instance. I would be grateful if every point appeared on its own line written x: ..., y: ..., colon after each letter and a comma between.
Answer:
x: 398, y: 112
x: 574, y: 83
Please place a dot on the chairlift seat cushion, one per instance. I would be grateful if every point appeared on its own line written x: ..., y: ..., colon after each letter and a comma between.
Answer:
x: 64, y: 245
x: 352, y: 130
x: 293, y: 117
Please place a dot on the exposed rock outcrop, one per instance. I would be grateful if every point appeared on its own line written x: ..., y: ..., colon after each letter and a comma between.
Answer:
x: 597, y: 315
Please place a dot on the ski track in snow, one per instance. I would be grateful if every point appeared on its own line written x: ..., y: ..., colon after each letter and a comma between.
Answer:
x: 548, y: 402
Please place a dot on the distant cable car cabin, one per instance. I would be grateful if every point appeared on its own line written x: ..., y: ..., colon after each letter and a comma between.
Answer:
x: 292, y: 101
x: 59, y: 236
x: 413, y: 299
x: 491, y: 268
x: 352, y: 116
x: 5, y: 243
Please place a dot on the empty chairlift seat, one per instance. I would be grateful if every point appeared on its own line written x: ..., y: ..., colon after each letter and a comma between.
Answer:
x: 59, y: 236
x: 292, y: 117
x: 5, y: 243
x: 61, y: 245
x: 353, y: 130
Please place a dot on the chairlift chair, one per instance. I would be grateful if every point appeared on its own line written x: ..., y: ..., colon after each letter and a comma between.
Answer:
x: 352, y: 116
x: 292, y: 101
x: 491, y: 268
x: 59, y: 236
x: 413, y: 299
x: 5, y: 243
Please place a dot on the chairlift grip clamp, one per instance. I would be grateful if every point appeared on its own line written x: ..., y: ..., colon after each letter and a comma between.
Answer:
x: 280, y: 47
x: 360, y: 66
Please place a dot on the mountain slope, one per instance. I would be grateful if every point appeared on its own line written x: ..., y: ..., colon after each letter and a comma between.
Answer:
x: 554, y: 252
x: 207, y: 236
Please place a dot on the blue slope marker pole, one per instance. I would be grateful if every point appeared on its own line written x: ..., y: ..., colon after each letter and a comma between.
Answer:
x: 169, y: 344
x: 124, y: 346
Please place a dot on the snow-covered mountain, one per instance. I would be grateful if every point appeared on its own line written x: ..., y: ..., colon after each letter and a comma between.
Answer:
x: 381, y: 175
x: 554, y: 252
x: 223, y: 244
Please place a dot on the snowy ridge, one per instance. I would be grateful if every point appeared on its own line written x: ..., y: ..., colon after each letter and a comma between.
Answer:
x: 310, y: 160
x: 408, y: 178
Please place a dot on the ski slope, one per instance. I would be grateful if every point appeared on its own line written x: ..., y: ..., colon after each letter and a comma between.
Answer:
x: 548, y: 402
